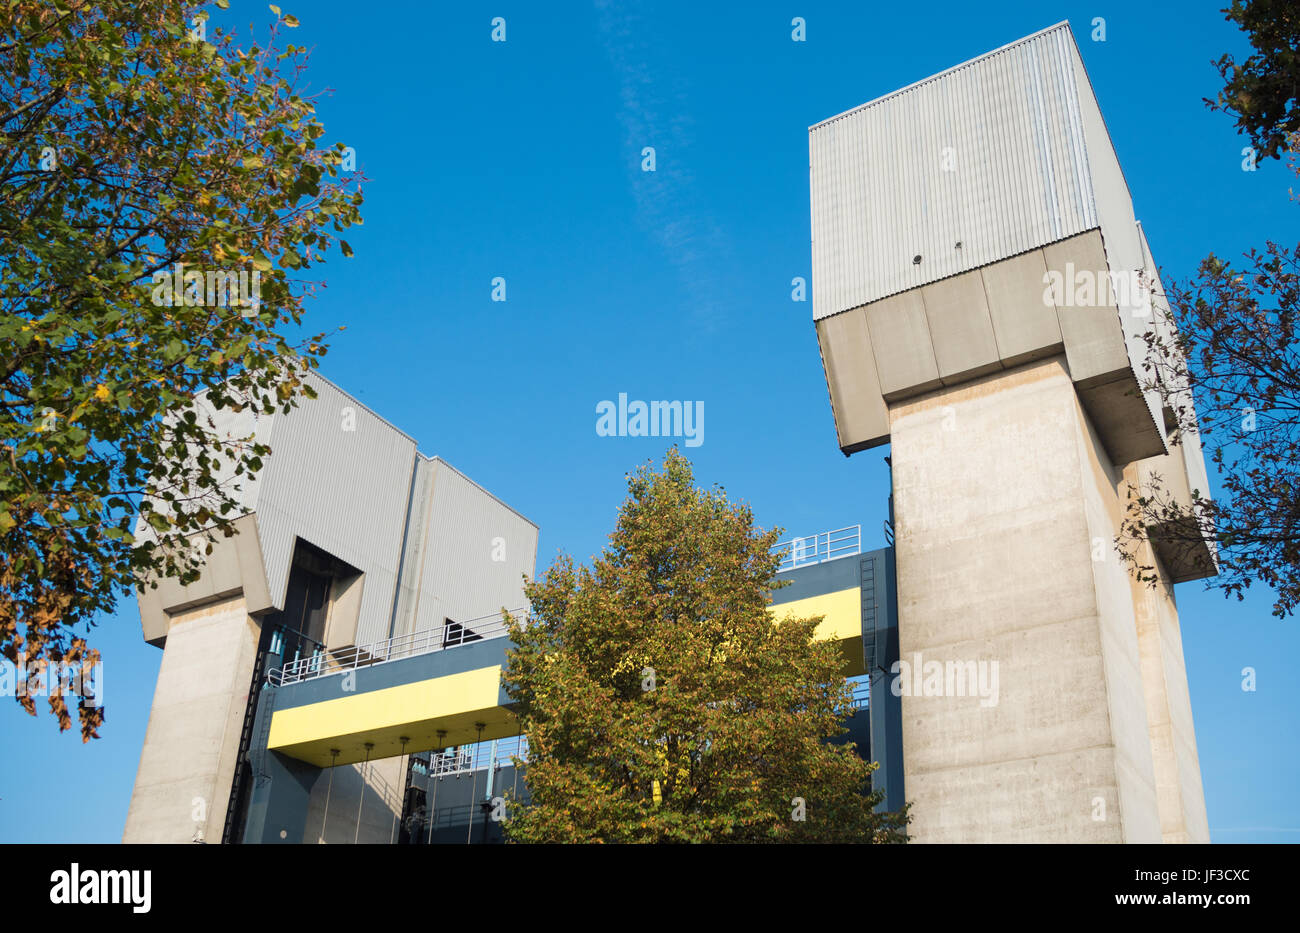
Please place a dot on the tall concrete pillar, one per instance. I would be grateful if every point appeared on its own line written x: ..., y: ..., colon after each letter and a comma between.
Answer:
x: 1169, y: 708
x: 982, y: 292
x: 188, y: 760
x: 1005, y: 507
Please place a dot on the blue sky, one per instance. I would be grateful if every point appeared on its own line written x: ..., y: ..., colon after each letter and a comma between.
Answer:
x: 522, y: 160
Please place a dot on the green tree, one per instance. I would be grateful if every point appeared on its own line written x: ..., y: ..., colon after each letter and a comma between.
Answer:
x: 1228, y: 362
x: 663, y: 702
x: 1229, y: 371
x: 1262, y: 92
x: 141, y: 149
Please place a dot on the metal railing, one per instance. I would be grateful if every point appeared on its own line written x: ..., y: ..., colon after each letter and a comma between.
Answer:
x: 325, y: 663
x: 828, y: 545
x: 478, y: 756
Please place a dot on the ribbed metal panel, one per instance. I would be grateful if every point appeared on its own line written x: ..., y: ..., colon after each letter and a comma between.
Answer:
x: 431, y: 544
x: 417, y: 536
x: 460, y: 578
x: 236, y: 426
x: 1020, y: 178
x: 345, y: 491
x: 229, y: 425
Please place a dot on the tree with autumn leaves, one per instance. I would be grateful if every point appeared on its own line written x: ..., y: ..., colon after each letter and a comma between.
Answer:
x: 664, y: 702
x: 1227, y: 365
x: 139, y: 143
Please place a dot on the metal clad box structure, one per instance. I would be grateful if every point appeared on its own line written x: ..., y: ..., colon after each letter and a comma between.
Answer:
x: 422, y: 537
x: 478, y: 553
x: 990, y: 154
x: 978, y: 305
x: 941, y: 211
x: 339, y: 477
x: 352, y: 548
x: 466, y: 552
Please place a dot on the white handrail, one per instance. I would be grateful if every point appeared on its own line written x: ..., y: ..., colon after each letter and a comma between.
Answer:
x: 476, y: 756
x: 824, y: 546
x: 324, y: 663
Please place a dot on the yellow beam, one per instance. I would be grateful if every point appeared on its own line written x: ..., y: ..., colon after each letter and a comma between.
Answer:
x: 454, y: 703
x: 841, y: 613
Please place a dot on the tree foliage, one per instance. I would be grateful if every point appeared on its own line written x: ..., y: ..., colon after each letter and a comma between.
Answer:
x: 137, y: 138
x: 1262, y: 92
x: 663, y: 702
x: 1231, y: 376
x: 1228, y: 363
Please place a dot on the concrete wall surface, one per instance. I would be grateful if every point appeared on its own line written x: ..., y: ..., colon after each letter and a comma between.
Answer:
x: 187, y: 763
x: 1169, y: 707
x: 1004, y: 504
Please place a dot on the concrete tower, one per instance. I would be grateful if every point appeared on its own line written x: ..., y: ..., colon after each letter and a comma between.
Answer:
x: 353, y: 545
x: 976, y: 262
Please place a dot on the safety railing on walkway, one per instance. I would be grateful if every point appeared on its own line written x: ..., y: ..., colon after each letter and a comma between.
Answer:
x: 827, y: 545
x: 452, y: 635
x: 861, y: 694
x: 476, y: 757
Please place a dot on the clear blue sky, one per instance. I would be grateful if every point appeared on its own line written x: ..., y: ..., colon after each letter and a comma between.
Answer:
x: 522, y: 160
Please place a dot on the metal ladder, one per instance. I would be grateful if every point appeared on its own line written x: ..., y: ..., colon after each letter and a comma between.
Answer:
x: 243, y: 767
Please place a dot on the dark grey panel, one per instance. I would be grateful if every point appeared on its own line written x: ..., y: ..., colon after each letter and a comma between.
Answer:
x: 818, y: 579
x: 880, y: 650
x: 277, y: 808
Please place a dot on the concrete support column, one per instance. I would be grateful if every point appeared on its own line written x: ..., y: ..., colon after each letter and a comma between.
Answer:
x: 1169, y: 707
x: 187, y: 763
x: 1024, y: 709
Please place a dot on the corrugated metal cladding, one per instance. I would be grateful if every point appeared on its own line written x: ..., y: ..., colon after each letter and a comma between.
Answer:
x: 990, y: 154
x: 230, y: 425
x: 417, y: 535
x: 431, y: 544
x: 339, y: 477
x: 477, y: 551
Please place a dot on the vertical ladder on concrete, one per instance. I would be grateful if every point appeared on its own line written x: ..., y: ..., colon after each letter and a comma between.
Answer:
x: 242, y: 765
